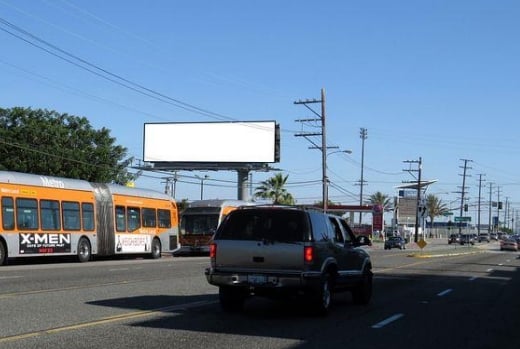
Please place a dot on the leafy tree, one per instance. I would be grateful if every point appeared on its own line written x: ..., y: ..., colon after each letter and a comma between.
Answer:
x: 379, y: 198
x: 49, y: 143
x: 273, y: 189
x: 435, y: 207
x: 182, y: 205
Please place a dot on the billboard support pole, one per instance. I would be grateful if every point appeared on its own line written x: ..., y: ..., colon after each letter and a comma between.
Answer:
x: 242, y: 184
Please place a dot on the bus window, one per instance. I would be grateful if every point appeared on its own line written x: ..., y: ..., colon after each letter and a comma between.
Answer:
x: 199, y: 224
x: 50, y: 214
x: 27, y: 213
x: 87, y: 210
x: 134, y: 218
x: 120, y: 218
x: 71, y: 219
x: 165, y: 219
x: 7, y: 213
x: 149, y: 219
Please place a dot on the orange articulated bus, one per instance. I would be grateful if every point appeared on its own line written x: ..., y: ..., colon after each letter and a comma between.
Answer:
x: 54, y: 216
x: 199, y: 221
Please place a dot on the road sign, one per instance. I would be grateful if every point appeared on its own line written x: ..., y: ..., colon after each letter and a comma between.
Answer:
x: 422, y: 244
x: 447, y: 214
x: 462, y: 219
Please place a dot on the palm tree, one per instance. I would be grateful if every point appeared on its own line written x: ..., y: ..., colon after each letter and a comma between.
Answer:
x: 435, y: 207
x: 379, y: 198
x: 273, y: 189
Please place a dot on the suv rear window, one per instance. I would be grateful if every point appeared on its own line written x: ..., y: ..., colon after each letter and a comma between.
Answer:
x: 269, y: 224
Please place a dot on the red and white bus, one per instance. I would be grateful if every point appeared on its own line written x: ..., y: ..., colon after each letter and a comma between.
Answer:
x: 54, y: 216
x: 199, y: 221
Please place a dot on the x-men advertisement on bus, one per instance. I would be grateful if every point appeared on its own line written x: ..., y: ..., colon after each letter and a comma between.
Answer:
x: 31, y: 243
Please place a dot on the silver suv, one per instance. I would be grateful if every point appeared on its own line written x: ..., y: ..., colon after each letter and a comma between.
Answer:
x: 278, y: 251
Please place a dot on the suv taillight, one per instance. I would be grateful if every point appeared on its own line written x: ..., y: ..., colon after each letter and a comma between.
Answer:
x: 212, y: 250
x: 308, y: 254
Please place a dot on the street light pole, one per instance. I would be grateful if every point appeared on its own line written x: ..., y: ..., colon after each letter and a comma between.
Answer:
x: 202, y: 179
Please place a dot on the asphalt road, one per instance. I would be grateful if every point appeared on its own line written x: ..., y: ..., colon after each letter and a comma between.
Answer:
x: 439, y: 297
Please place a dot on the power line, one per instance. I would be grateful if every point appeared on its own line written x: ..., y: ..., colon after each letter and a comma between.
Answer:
x: 104, y: 73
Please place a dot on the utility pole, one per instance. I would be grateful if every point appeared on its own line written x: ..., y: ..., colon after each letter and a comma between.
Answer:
x: 479, y: 196
x: 170, y: 185
x: 463, y: 189
x: 513, y: 215
x: 490, y: 205
x: 174, y: 184
x: 498, y: 208
x: 506, y: 218
x: 419, y: 170
x: 323, y: 147
x: 363, y: 135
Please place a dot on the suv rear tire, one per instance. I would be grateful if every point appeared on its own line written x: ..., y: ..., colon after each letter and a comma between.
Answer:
x: 322, y: 297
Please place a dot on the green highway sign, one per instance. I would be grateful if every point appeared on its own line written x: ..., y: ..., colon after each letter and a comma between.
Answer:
x: 447, y: 214
x: 462, y: 219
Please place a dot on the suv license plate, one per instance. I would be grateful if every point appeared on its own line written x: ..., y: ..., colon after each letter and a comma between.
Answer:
x: 257, y: 279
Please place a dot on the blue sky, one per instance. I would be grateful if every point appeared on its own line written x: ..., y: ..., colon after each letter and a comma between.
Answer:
x: 432, y: 79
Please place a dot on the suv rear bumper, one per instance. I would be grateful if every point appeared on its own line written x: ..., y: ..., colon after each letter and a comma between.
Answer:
x: 303, y: 280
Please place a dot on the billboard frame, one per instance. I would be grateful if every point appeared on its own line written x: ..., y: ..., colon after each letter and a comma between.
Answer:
x: 203, y: 160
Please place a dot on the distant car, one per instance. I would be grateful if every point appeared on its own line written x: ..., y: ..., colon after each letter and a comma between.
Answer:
x: 453, y: 239
x: 509, y: 244
x: 502, y: 236
x: 493, y: 236
x: 395, y: 242
x: 483, y: 237
x: 467, y: 239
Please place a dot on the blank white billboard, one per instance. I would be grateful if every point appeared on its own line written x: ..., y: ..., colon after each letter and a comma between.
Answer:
x: 252, y: 141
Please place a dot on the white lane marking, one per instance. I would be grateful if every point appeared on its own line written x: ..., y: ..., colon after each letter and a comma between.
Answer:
x: 445, y: 292
x: 473, y: 278
x: 489, y: 270
x: 10, y: 277
x: 387, y: 321
x: 500, y: 264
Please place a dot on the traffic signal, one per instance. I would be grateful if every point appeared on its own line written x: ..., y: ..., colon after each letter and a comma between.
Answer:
x: 465, y: 207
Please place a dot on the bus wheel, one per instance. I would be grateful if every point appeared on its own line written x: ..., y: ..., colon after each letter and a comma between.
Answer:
x: 84, y: 250
x: 156, y: 249
x: 3, y: 254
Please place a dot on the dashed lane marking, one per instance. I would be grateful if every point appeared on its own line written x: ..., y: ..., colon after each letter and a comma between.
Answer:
x: 388, y: 321
x: 445, y: 292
